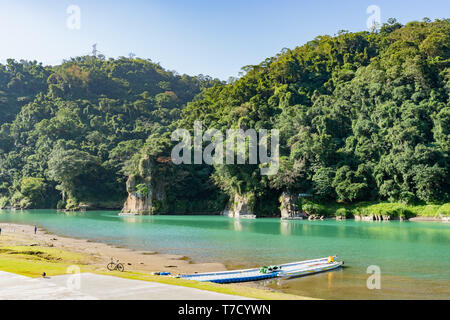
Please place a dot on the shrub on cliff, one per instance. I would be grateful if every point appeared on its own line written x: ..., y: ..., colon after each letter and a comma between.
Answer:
x: 3, y: 202
x: 342, y: 212
x: 444, y: 210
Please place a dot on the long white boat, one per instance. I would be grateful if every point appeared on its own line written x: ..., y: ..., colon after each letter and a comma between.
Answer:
x: 294, y: 270
x: 288, y: 270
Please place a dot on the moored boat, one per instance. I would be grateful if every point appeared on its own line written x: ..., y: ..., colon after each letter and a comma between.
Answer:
x: 288, y: 270
x: 299, y: 271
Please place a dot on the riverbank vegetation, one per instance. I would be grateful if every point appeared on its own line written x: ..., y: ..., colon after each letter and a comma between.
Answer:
x: 362, y: 117
x: 393, y: 210
x: 363, y: 120
x: 67, y: 131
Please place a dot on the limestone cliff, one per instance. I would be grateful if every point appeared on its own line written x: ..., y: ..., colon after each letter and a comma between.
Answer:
x: 288, y: 206
x: 143, y: 191
x: 242, y: 205
x: 137, y: 202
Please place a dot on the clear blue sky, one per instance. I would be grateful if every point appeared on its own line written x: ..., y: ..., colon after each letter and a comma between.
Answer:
x: 191, y: 36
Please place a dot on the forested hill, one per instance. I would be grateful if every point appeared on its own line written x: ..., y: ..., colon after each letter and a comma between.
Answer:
x: 362, y: 116
x: 67, y: 131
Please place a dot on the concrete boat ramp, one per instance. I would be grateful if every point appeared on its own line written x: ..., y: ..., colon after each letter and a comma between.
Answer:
x: 88, y: 286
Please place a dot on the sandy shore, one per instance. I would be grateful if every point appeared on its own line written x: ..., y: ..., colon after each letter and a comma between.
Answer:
x: 94, y: 256
x: 100, y: 254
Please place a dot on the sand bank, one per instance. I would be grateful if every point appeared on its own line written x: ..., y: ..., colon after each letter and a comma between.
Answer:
x: 99, y: 254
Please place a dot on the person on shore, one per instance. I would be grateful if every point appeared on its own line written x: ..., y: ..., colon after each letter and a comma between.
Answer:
x: 35, y: 229
x: 0, y: 231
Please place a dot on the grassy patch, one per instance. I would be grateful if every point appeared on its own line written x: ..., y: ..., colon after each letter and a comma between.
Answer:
x: 444, y: 210
x: 429, y: 210
x: 33, y: 261
x: 394, y: 210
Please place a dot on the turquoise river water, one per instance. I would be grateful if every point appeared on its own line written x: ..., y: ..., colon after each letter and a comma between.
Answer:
x: 413, y: 257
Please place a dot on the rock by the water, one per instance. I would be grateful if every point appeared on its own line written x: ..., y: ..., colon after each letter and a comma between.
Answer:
x: 288, y: 206
x: 240, y: 207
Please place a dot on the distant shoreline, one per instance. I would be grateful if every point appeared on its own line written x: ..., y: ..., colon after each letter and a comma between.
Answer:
x: 419, y: 218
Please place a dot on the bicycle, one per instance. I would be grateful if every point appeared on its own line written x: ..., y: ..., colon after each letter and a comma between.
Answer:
x: 115, y: 266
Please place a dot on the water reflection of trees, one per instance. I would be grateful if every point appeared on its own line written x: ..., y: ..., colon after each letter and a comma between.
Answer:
x: 73, y: 213
x: 394, y: 231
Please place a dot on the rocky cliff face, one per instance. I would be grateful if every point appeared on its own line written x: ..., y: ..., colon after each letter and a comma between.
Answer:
x: 376, y: 217
x: 288, y: 206
x: 137, y: 202
x: 239, y: 207
x: 143, y: 192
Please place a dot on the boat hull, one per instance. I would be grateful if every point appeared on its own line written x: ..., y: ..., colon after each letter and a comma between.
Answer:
x: 288, y: 270
x: 318, y: 269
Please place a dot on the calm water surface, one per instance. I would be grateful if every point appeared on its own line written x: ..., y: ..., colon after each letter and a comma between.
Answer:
x: 414, y: 257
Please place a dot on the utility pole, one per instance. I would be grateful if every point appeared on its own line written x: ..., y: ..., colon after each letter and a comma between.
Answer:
x: 94, y: 50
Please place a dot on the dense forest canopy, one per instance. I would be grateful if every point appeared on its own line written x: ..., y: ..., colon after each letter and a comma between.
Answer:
x: 362, y: 116
x: 67, y: 131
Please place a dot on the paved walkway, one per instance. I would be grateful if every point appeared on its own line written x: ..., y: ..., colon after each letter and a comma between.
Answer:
x: 97, y: 287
